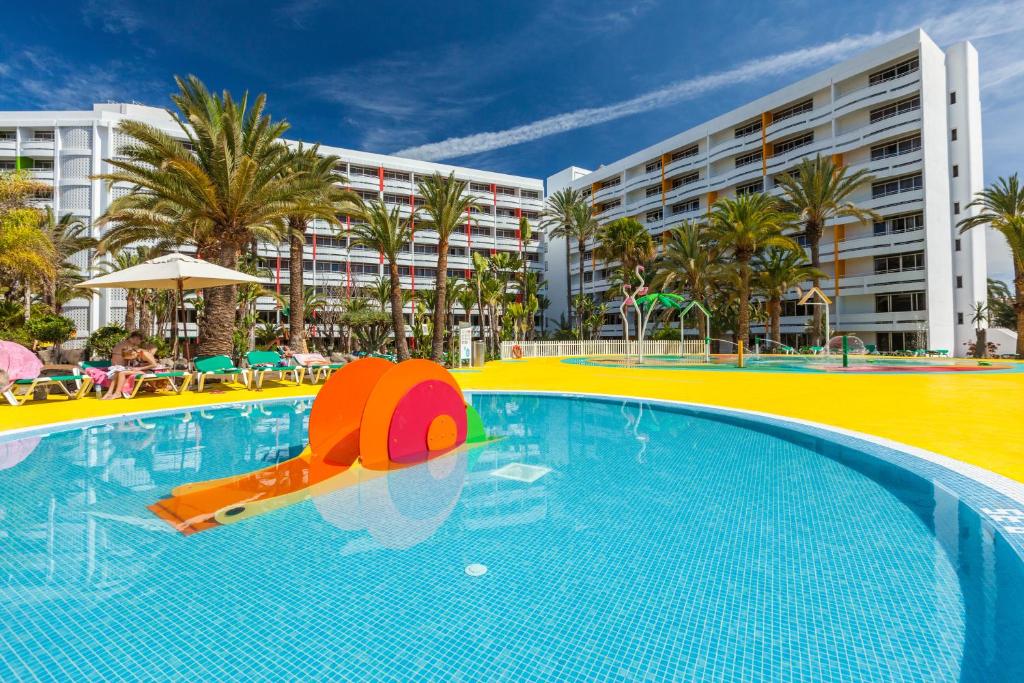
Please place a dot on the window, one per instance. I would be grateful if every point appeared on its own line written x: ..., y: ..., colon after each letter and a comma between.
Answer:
x: 653, y: 216
x: 959, y: 318
x: 956, y: 171
x: 530, y: 194
x: 42, y: 135
x: 956, y: 244
x: 898, y: 263
x: 952, y: 135
x: 687, y: 206
x: 608, y: 205
x: 956, y: 208
x: 893, y: 72
x: 7, y: 135
x: 952, y: 97
x: 507, y: 191
x: 898, y: 341
x: 397, y: 175
x: 691, y: 177
x: 959, y: 281
x: 747, y: 129
x: 794, y: 110
x: 611, y: 182
x: 793, y: 143
x: 907, y: 183
x: 895, y: 109
x: 7, y: 165
x: 652, y: 166
x: 367, y: 171
x: 750, y: 188
x: 896, y: 148
x: 42, y: 164
x: 652, y: 190
x: 747, y: 159
x: 690, y: 151
x: 479, y: 187
x: 899, y: 302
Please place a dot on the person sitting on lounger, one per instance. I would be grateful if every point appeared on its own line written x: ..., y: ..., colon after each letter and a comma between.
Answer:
x: 121, y: 383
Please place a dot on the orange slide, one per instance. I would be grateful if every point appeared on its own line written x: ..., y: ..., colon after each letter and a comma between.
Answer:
x: 370, y: 417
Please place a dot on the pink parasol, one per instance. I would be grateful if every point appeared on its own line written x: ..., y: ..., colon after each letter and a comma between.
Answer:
x: 18, y: 362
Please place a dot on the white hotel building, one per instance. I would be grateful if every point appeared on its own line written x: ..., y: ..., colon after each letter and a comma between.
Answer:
x: 66, y: 148
x: 907, y: 111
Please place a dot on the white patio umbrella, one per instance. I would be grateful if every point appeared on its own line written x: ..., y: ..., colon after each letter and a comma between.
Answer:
x: 171, y: 271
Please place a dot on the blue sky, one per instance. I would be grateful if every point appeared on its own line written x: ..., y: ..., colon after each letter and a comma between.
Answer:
x: 550, y: 83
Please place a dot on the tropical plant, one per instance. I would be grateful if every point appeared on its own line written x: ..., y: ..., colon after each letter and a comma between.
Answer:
x: 102, y: 341
x: 1001, y: 207
x: 625, y: 240
x: 227, y: 187
x: 26, y: 255
x: 743, y: 227
x: 445, y: 204
x: 558, y: 217
x: 690, y: 265
x: 1000, y: 302
x: 326, y: 199
x: 525, y: 235
x: 819, y: 190
x: 370, y: 327
x: 777, y: 271
x: 980, y: 318
x: 385, y: 231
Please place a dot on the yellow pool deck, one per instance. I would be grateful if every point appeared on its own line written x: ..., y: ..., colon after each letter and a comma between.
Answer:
x: 974, y: 417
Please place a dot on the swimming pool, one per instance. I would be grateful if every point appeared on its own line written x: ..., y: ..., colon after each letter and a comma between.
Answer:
x: 801, y: 364
x: 621, y: 539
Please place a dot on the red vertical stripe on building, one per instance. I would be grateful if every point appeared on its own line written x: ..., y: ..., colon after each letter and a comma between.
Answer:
x: 380, y: 177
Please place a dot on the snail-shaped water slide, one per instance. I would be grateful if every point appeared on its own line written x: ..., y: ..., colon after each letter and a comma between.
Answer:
x: 371, y: 417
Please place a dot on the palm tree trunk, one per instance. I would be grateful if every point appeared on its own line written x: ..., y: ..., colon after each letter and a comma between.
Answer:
x: 146, y: 314
x: 131, y: 321
x: 440, y: 300
x: 743, y: 323
x: 1018, y: 284
x: 480, y: 305
x: 583, y: 261
x: 217, y: 328
x: 397, y: 315
x: 815, y: 240
x: 296, y: 297
x: 568, y: 283
x: 775, y: 311
x: 28, y: 301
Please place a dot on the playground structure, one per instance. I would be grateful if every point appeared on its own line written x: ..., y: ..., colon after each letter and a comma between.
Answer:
x: 370, y: 418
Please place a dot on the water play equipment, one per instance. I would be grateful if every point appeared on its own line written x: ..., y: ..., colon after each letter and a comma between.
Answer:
x: 370, y: 418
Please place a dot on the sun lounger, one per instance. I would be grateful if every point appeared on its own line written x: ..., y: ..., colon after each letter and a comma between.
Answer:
x: 263, y: 363
x: 317, y: 367
x: 22, y: 391
x: 218, y: 366
x: 179, y: 380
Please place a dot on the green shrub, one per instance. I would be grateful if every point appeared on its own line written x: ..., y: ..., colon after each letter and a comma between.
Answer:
x: 54, y: 329
x: 101, y: 343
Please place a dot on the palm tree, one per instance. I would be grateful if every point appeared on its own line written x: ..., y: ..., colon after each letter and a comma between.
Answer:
x: 980, y: 318
x: 328, y: 199
x: 387, y: 232
x: 559, y: 214
x: 690, y: 264
x: 26, y: 255
x: 492, y: 292
x: 777, y: 272
x: 627, y: 241
x: 228, y: 188
x: 1001, y: 206
x: 819, y: 191
x: 583, y: 227
x: 525, y: 235
x: 743, y: 227
x: 445, y: 204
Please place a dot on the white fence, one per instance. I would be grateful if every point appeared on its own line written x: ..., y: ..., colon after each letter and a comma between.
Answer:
x: 601, y: 347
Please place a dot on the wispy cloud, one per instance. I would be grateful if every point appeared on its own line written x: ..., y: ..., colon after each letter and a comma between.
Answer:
x: 299, y: 12
x: 979, y: 21
x: 115, y: 16
x: 36, y: 78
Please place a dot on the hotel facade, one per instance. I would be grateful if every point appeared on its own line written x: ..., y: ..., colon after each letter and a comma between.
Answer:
x: 66, y: 148
x: 908, y: 112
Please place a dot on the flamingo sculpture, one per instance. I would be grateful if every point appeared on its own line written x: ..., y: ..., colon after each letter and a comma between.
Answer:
x: 630, y: 300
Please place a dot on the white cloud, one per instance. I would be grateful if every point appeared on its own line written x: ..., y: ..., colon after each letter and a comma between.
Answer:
x: 980, y: 21
x: 114, y: 16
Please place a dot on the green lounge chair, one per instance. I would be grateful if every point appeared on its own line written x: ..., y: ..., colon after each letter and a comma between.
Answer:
x: 218, y: 366
x: 146, y: 376
x: 21, y: 391
x: 263, y: 363
x: 871, y: 349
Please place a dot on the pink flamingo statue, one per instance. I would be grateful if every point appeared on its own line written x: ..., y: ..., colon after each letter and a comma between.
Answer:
x: 630, y: 300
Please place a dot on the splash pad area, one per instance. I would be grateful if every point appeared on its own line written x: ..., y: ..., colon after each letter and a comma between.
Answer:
x: 800, y: 364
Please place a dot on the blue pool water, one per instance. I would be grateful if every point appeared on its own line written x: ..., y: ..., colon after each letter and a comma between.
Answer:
x: 663, y: 544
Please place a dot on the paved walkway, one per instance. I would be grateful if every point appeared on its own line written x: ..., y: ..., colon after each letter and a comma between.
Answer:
x: 977, y: 418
